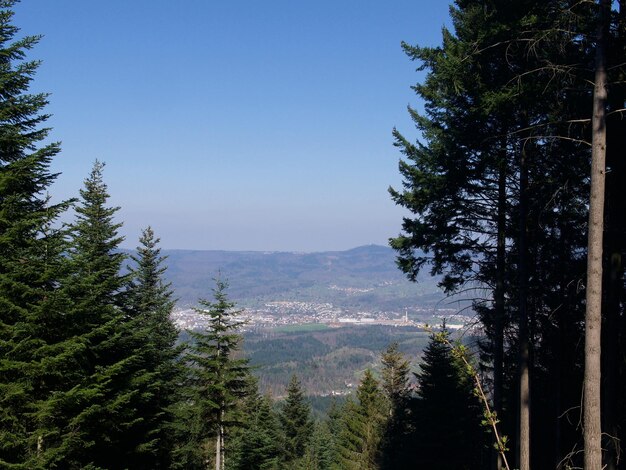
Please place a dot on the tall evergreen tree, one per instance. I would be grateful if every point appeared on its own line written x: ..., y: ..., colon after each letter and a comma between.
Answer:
x: 448, y: 415
x: 462, y: 178
x: 149, y: 305
x: 614, y: 252
x: 149, y: 294
x: 95, y: 414
x: 362, y: 427
x: 30, y: 251
x: 333, y: 424
x: 395, y: 377
x: 320, y: 453
x: 217, y: 383
x: 258, y: 443
x: 395, y: 385
x: 296, y: 422
x: 498, y: 190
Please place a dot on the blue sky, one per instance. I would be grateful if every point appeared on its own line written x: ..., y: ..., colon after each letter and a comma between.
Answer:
x: 235, y: 125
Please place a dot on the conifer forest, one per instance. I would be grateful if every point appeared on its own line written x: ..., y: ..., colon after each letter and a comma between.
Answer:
x: 511, y: 189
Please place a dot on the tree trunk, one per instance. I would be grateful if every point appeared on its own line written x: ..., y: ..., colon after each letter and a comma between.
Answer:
x: 593, y: 313
x: 498, y: 342
x: 219, y: 448
x: 614, y: 248
x: 524, y: 350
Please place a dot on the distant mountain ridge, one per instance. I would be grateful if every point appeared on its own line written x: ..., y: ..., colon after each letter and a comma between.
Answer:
x: 362, y: 277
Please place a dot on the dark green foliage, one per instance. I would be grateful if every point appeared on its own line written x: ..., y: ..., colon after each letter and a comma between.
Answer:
x: 498, y: 189
x: 447, y: 417
x: 94, y: 413
x: 395, y: 384
x: 295, y: 419
x: 395, y: 377
x: 95, y: 240
x: 320, y: 453
x: 361, y: 427
x: 149, y: 295
x: 30, y: 261
x: 217, y: 382
x: 150, y: 303
x: 258, y: 445
x: 324, y: 445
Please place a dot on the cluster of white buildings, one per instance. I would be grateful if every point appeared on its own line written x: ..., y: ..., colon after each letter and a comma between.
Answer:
x: 281, y: 313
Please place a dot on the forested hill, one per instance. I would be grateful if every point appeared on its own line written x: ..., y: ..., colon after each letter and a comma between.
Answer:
x: 362, y: 276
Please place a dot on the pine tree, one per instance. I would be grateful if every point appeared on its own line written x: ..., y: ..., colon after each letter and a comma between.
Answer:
x: 94, y: 415
x: 149, y: 305
x: 257, y: 445
x: 320, y: 453
x: 498, y: 187
x: 30, y: 251
x: 395, y: 377
x: 295, y: 418
x: 218, y: 381
x: 395, y: 385
x: 448, y: 416
x: 362, y: 427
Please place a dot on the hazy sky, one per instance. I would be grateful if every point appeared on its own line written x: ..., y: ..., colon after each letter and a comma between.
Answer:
x: 238, y: 124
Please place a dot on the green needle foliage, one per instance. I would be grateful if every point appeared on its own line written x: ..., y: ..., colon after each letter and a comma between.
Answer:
x: 448, y: 414
x: 218, y: 382
x: 150, y: 297
x: 362, y: 427
x: 99, y: 406
x: 395, y: 377
x: 498, y: 186
x: 320, y: 453
x: 30, y: 261
x: 396, y: 371
x: 149, y: 305
x: 297, y: 425
x: 257, y: 445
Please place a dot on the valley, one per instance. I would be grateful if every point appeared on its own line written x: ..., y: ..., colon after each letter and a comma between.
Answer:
x: 325, y: 317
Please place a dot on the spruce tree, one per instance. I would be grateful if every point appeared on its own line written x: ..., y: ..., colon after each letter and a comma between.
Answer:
x: 149, y: 294
x: 295, y: 418
x: 217, y: 382
x: 320, y: 454
x: 257, y: 445
x: 498, y: 187
x: 30, y: 251
x: 149, y: 305
x: 96, y: 413
x: 395, y: 385
x: 395, y: 377
x: 447, y: 421
x: 362, y: 427
x: 329, y: 443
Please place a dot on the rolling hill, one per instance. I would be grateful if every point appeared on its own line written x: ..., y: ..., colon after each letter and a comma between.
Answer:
x: 363, y: 277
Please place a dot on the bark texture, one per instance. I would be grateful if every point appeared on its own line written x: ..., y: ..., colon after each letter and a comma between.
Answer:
x: 593, y: 314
